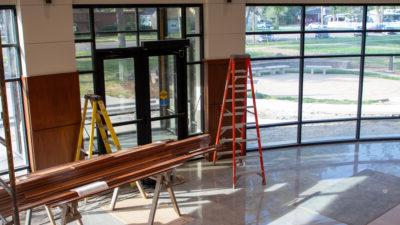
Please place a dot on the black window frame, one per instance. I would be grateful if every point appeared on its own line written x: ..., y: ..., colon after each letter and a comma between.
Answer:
x: 301, y: 57
x: 92, y: 32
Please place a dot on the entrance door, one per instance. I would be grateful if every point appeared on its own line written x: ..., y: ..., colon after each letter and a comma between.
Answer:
x: 145, y: 91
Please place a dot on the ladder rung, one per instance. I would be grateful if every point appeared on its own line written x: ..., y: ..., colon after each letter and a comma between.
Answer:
x: 238, y: 125
x: 240, y: 107
x: 240, y: 71
x: 228, y: 153
x: 238, y: 140
x: 236, y: 100
x: 242, y: 90
x: 231, y: 114
x: 247, y: 156
x: 240, y: 77
x: 238, y: 86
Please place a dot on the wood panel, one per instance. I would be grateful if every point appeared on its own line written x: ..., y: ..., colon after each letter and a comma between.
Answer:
x: 54, y: 100
x: 53, y: 114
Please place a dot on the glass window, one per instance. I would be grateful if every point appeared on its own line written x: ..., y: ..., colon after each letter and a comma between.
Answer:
x: 115, y: 20
x: 172, y: 23
x: 332, y: 44
x: 273, y: 136
x: 383, y: 17
x: 328, y: 131
x: 333, y: 54
x: 273, y: 45
x: 330, y: 88
x: 193, y: 20
x: 147, y: 19
x: 273, y: 18
x: 81, y: 21
x: 334, y: 17
x: 13, y: 87
x: 128, y: 27
x: 381, y: 86
x: 382, y: 43
x: 276, y: 85
x: 195, y: 104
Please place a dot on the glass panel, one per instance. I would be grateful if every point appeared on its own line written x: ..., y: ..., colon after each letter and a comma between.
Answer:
x: 121, y: 40
x: 115, y: 19
x: 119, y: 75
x: 7, y: 27
x: 17, y: 128
x: 81, y: 21
x: 380, y: 128
x: 173, y: 23
x: 194, y: 98
x: 328, y: 131
x: 192, y: 20
x: 273, y: 18
x: 164, y: 130
x: 273, y: 136
x: 127, y: 135
x: 382, y: 43
x: 163, y: 85
x: 276, y: 84
x: 193, y: 52
x: 334, y: 17
x: 83, y: 36
x: 384, y: 17
x: 332, y: 44
x: 148, y: 19
x: 86, y: 85
x: 381, y: 86
x: 83, y: 49
x: 273, y: 45
x: 11, y: 62
x: 330, y: 88
x: 84, y: 64
x: 148, y: 36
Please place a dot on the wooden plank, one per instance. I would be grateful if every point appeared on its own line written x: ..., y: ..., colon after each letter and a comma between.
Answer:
x: 54, y: 185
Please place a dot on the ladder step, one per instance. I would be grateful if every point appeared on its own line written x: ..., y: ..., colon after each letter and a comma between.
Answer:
x: 240, y: 71
x: 240, y: 77
x: 231, y: 114
x: 236, y: 100
x: 228, y: 153
x: 238, y: 125
x: 238, y: 86
x: 242, y: 90
x: 238, y: 140
x: 241, y: 107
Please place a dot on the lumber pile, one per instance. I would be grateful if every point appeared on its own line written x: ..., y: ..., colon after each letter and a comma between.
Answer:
x: 55, y: 185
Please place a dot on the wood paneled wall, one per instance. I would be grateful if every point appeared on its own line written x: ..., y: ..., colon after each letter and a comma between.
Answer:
x: 215, y: 72
x: 53, y: 114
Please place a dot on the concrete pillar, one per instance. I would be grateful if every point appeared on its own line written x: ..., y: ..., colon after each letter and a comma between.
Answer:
x: 224, y: 25
x: 46, y: 37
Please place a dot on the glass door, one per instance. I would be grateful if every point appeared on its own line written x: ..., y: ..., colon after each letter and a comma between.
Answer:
x: 145, y: 92
x: 163, y: 97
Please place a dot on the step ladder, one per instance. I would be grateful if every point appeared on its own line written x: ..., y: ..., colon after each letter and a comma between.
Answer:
x: 101, y: 119
x: 234, y: 106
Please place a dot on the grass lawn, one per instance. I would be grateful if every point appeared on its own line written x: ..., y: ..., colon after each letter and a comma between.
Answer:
x: 388, y: 44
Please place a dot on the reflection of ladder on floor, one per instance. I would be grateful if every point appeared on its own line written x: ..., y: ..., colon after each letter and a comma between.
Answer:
x: 236, y: 84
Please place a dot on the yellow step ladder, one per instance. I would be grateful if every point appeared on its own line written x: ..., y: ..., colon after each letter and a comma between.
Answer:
x: 102, y: 120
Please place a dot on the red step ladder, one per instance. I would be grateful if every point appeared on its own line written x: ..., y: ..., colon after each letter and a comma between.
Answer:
x: 237, y: 110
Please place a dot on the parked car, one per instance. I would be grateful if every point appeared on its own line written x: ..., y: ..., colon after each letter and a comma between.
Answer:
x: 265, y: 37
x: 316, y: 26
x: 263, y: 25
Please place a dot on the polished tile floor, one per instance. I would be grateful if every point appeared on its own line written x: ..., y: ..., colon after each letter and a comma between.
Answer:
x: 293, y: 175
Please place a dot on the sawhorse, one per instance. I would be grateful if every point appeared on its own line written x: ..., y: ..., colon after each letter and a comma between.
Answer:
x: 70, y: 213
